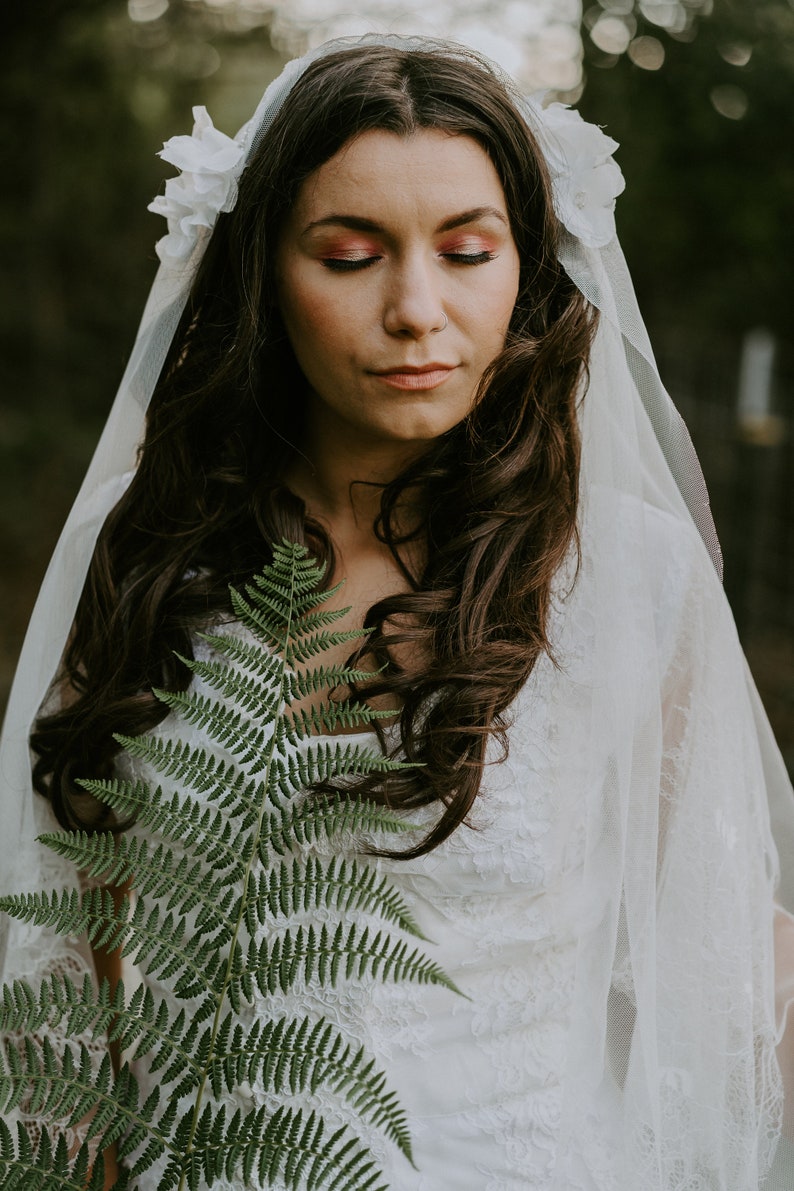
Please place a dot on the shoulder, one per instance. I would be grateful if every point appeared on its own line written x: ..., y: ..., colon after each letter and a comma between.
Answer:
x: 639, y: 533
x: 650, y: 561
x: 675, y: 552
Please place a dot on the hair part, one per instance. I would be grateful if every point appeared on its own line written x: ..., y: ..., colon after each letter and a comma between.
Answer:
x: 499, y: 490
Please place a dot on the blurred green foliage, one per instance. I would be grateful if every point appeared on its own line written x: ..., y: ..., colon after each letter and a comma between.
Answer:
x: 706, y: 220
x: 87, y: 97
x: 73, y: 270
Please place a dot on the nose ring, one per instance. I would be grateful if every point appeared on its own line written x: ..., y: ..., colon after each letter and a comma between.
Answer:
x: 445, y: 323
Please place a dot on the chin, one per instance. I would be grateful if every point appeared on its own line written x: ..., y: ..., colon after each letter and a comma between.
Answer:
x: 421, y: 434
x: 420, y: 427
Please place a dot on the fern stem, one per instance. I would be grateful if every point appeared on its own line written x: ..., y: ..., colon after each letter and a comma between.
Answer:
x: 252, y: 856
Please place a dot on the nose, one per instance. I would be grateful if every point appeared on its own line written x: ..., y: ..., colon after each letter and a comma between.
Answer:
x: 413, y: 304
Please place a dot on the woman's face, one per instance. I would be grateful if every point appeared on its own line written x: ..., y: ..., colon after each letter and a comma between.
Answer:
x: 397, y: 277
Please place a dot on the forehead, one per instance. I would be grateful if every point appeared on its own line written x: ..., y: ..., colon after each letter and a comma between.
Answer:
x: 380, y: 174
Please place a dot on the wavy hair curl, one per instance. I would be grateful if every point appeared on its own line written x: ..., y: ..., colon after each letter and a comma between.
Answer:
x: 499, y: 490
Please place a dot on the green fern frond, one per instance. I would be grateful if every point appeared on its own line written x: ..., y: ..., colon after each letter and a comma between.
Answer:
x: 297, y: 1056
x: 311, y: 682
x: 67, y: 1086
x: 330, y: 956
x: 159, y: 939
x: 216, y: 778
x: 24, y: 1169
x: 262, y: 608
x: 341, y: 884
x: 194, y: 767
x: 232, y: 904
x: 61, y: 908
x: 184, y: 884
x: 322, y: 619
x: 179, y: 819
x: 139, y: 1026
x: 291, y: 1146
x: 247, y: 655
x: 231, y: 730
x: 324, y: 818
x: 299, y: 584
x: 325, y: 758
x: 249, y: 693
x: 351, y: 714
x: 270, y: 627
x: 302, y: 649
x: 284, y: 628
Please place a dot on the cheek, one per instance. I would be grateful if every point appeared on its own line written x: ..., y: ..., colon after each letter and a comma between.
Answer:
x: 504, y: 299
x: 491, y: 310
x: 312, y: 321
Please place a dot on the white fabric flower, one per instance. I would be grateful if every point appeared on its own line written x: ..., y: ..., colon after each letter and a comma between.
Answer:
x: 585, y: 178
x: 210, y: 163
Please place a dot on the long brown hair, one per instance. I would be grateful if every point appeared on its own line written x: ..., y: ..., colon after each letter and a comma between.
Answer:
x: 499, y: 490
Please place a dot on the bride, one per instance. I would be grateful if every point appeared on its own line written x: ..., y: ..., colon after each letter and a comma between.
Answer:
x: 392, y: 322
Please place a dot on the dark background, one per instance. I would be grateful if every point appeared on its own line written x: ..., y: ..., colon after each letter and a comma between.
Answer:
x: 87, y: 95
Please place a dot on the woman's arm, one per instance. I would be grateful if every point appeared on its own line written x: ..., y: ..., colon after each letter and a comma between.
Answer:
x: 108, y: 963
x: 108, y: 967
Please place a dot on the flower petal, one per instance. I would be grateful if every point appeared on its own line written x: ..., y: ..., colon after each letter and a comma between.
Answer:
x: 210, y: 163
x: 585, y: 179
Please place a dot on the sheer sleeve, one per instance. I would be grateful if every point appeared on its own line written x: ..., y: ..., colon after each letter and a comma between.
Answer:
x: 782, y: 1175
x: 718, y: 867
x: 674, y: 1004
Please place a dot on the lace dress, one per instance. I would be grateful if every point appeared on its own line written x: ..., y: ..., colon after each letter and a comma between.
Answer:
x: 480, y: 1078
x: 502, y: 903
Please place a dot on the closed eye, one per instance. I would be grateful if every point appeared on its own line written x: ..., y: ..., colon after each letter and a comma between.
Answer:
x: 469, y: 258
x: 340, y: 264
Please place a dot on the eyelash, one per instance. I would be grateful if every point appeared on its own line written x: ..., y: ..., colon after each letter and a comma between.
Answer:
x: 470, y: 258
x: 340, y: 265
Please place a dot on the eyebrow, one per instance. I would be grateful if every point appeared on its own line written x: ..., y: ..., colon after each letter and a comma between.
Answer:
x: 357, y: 224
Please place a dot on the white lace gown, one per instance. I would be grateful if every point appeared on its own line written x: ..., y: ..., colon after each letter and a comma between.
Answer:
x: 503, y: 906
x: 478, y: 1075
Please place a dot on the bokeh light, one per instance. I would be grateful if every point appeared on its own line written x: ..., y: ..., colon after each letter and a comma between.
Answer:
x: 647, y: 53
x: 737, y: 53
x: 146, y: 10
x: 613, y: 34
x: 729, y: 101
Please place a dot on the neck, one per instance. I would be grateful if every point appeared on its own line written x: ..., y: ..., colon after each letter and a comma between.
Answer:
x: 341, y: 477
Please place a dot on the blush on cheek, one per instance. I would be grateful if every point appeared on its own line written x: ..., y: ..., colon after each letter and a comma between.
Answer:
x: 303, y: 304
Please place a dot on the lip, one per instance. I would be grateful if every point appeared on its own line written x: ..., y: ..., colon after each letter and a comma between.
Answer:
x: 407, y: 376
